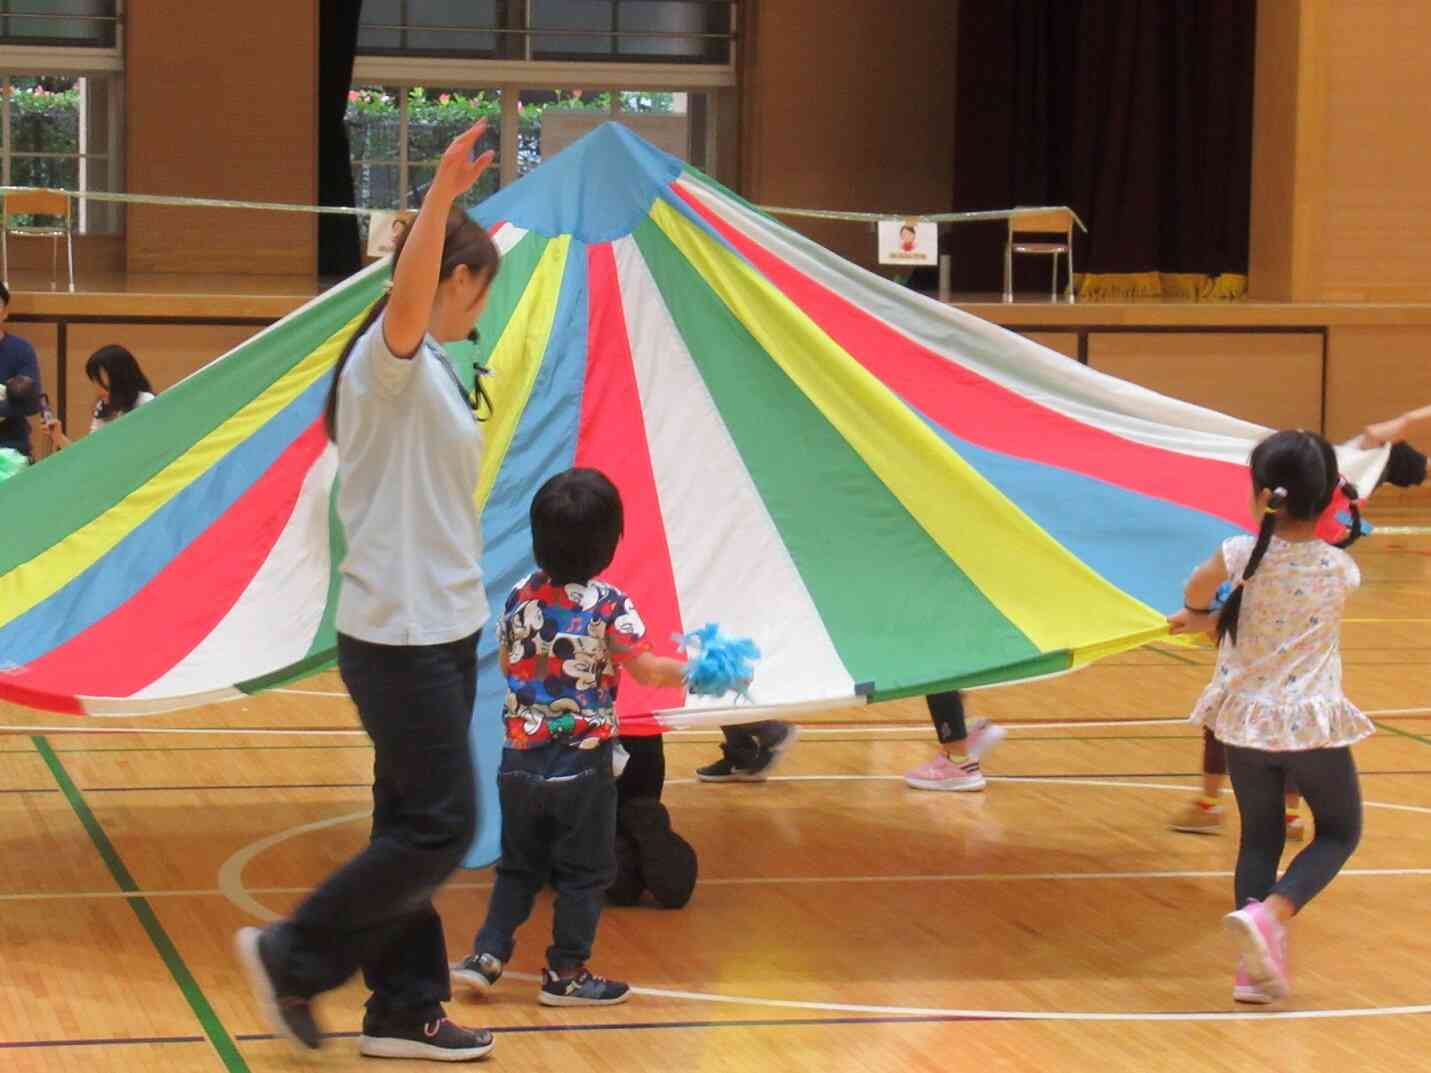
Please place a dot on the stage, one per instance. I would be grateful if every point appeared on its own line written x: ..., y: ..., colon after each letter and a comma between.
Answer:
x: 1332, y: 366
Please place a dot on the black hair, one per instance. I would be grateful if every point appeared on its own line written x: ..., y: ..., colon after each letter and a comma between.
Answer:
x: 122, y: 378
x: 4, y: 295
x: 464, y: 242
x: 576, y: 524
x: 1300, y: 469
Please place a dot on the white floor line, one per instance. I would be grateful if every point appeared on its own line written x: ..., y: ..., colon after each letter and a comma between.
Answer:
x: 1010, y: 1015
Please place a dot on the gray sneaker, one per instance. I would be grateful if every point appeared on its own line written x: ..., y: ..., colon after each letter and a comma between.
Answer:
x: 479, y: 971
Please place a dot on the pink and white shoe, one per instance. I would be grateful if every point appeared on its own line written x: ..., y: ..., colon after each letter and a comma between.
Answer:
x: 1244, y: 990
x: 941, y: 773
x: 1264, y: 947
x: 983, y: 736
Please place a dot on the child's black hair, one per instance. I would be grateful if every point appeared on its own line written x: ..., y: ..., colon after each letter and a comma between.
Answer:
x: 576, y: 524
x: 1300, y: 469
x: 114, y: 369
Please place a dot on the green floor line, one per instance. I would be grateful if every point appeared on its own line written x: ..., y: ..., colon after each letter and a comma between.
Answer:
x: 1380, y: 725
x: 223, y: 1043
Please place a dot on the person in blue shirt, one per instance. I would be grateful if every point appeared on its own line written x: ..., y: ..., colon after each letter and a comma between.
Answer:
x: 20, y: 379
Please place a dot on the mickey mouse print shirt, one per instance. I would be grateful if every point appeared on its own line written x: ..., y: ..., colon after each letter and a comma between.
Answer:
x: 565, y: 647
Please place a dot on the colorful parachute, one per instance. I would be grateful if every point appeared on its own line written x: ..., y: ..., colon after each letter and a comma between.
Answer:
x: 890, y: 496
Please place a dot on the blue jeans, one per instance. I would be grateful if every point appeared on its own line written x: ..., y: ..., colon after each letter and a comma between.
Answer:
x: 558, y: 826
x: 375, y: 912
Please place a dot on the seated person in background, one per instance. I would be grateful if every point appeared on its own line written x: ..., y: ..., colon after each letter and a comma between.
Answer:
x: 122, y: 387
x: 19, y: 385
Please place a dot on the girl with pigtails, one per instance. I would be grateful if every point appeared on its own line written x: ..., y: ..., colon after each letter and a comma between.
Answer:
x: 1276, y: 699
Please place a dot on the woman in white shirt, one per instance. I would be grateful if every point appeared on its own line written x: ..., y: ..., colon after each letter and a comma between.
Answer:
x: 410, y: 609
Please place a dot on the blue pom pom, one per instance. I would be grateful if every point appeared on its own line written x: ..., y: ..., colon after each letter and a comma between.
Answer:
x: 719, y: 664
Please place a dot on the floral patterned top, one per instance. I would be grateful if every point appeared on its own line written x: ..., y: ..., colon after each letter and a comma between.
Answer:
x: 565, y: 646
x: 1280, y: 687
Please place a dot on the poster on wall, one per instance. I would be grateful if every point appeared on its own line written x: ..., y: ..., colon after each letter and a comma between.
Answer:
x: 908, y: 242
x: 384, y: 229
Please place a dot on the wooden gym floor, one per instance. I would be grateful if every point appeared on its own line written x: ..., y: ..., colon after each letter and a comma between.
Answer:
x: 842, y: 922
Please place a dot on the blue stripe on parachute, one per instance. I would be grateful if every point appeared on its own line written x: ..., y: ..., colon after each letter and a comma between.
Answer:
x: 140, y: 556
x: 543, y: 445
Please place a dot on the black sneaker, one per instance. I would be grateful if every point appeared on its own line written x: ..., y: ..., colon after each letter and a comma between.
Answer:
x: 480, y: 971
x: 723, y: 770
x: 781, y: 737
x: 438, y: 1041
x: 289, y: 1016
x: 583, y: 989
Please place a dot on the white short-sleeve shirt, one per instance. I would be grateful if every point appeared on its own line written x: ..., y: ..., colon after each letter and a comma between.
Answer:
x: 409, y: 450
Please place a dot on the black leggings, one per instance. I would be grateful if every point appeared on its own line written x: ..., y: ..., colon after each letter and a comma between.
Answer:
x: 947, y: 711
x: 1214, y: 759
x: 1329, y: 783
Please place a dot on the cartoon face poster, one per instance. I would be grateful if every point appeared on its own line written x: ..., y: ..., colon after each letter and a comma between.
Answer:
x: 908, y: 242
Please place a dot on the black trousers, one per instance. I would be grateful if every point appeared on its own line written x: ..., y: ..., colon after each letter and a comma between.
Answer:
x: 645, y: 774
x: 376, y: 913
x: 1329, y: 784
x: 558, y: 827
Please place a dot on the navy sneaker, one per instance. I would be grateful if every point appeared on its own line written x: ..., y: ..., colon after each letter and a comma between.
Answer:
x: 583, y: 989
x: 772, y: 748
x: 437, y: 1041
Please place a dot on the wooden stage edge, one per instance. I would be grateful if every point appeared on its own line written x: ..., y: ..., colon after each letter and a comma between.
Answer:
x: 183, y: 297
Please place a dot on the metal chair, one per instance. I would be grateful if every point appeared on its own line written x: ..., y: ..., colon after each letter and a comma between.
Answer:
x: 1044, y: 224
x: 52, y: 203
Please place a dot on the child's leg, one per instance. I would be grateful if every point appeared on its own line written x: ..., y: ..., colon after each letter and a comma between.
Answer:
x: 583, y: 815
x: 645, y: 773
x: 1328, y: 780
x: 742, y: 746
x: 524, y: 867
x: 1257, y: 780
x: 1203, y: 816
x: 947, y: 712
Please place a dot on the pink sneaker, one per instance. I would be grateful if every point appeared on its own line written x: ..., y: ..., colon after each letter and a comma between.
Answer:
x: 1264, y: 947
x: 983, y: 736
x: 1244, y: 990
x: 941, y: 773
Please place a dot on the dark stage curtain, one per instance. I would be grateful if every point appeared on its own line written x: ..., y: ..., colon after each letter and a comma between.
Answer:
x: 1136, y: 113
x: 338, y: 250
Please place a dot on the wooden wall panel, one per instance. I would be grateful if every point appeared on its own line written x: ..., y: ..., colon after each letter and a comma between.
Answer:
x: 1274, y: 379
x: 1377, y: 223
x: 166, y: 352
x: 848, y: 105
x: 221, y: 102
x: 1374, y: 373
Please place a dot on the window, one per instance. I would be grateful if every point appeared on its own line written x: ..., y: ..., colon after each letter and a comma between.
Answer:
x: 66, y: 23
x: 623, y: 31
x: 63, y: 131
x: 543, y: 72
x: 396, y: 136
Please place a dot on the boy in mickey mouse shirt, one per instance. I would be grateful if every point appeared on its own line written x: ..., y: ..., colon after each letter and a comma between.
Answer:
x: 565, y: 638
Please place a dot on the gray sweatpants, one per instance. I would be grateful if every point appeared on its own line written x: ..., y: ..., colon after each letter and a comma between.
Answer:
x: 1328, y: 781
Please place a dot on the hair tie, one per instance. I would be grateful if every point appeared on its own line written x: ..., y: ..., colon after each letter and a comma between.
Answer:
x: 1275, y: 500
